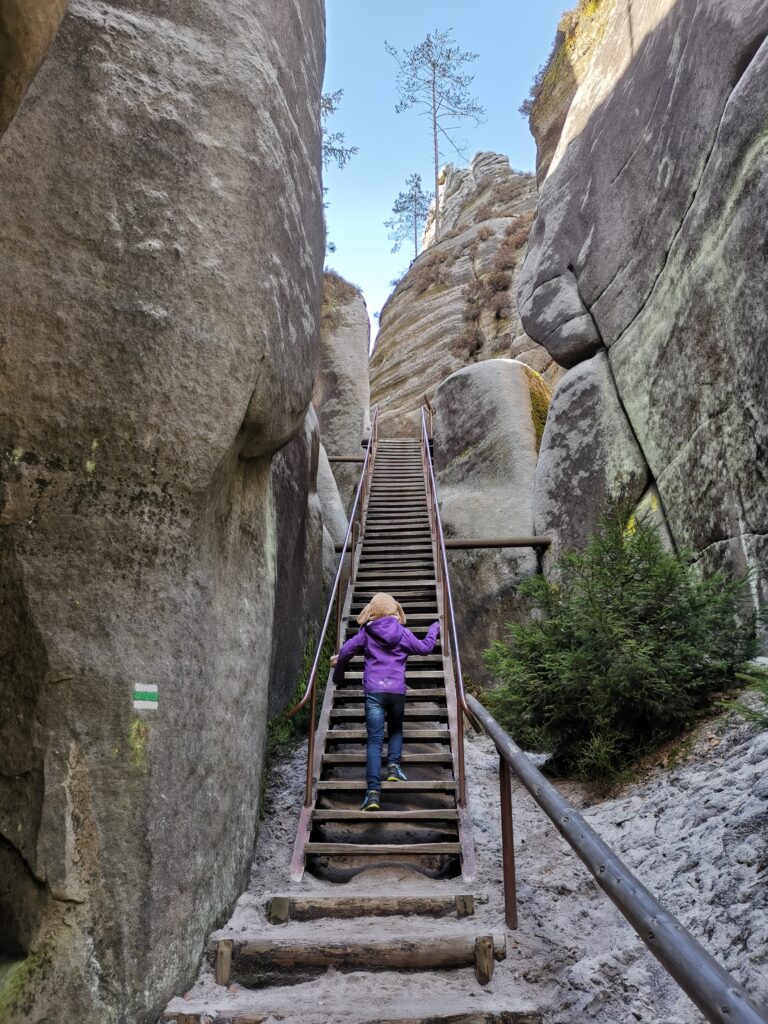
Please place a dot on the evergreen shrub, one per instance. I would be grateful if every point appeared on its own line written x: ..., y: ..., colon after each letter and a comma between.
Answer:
x: 625, y: 650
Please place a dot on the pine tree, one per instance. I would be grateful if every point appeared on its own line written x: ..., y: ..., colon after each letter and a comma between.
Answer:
x: 409, y: 214
x: 334, y: 149
x: 430, y: 76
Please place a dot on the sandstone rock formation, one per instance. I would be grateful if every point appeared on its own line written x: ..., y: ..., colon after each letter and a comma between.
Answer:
x: 648, y: 243
x: 589, y: 458
x: 161, y: 238
x: 299, y: 570
x: 26, y: 32
x: 485, y: 431
x: 456, y: 303
x: 335, y: 520
x: 342, y: 390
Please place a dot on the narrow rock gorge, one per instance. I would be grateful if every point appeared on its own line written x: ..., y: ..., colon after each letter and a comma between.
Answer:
x: 185, y: 396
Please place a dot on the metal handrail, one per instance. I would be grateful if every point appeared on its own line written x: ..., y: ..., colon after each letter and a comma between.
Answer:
x: 352, y: 534
x: 444, y: 577
x: 718, y: 995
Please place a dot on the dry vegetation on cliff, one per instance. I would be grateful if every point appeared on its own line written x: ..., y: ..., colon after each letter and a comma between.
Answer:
x: 337, y: 292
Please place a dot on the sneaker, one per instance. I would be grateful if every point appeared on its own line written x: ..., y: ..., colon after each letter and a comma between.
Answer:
x: 371, y: 801
x: 395, y: 773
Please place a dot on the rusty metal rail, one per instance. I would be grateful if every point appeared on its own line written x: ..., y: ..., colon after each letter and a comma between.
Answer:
x: 336, y: 600
x: 719, y: 996
x: 450, y: 636
x: 466, y: 543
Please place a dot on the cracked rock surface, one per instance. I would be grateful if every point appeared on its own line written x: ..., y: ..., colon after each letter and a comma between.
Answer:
x: 649, y: 241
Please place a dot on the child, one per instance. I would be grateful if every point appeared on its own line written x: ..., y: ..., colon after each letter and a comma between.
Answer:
x: 385, y: 644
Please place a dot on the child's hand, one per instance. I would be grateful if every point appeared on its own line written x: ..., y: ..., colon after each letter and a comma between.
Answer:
x: 334, y: 661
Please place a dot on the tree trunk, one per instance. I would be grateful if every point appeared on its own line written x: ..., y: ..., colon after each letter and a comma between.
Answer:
x: 437, y: 155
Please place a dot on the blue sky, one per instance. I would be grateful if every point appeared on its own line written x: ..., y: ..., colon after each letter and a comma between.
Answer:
x: 512, y: 38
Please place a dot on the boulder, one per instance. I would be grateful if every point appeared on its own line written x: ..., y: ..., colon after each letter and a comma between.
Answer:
x: 589, y: 459
x: 649, y: 241
x: 455, y: 305
x: 342, y: 390
x: 485, y: 443
x: 161, y: 238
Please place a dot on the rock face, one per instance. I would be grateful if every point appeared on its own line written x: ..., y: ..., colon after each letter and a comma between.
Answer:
x: 647, y: 244
x: 589, y: 458
x: 485, y: 457
x: 456, y: 305
x: 342, y: 391
x: 299, y: 571
x: 335, y: 520
x: 161, y: 238
x: 26, y: 33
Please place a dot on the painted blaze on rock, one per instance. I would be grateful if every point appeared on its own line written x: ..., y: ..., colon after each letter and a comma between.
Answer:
x: 646, y: 242
x: 161, y: 239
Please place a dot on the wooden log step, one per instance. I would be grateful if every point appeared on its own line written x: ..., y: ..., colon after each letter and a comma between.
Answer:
x: 342, y: 759
x: 377, y: 849
x: 418, y: 815
x: 253, y: 954
x: 280, y: 909
x: 413, y: 735
x: 429, y: 786
x: 410, y: 713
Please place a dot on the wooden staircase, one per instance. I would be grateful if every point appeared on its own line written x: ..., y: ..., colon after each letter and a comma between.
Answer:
x: 354, y: 959
x: 390, y: 946
x: 422, y: 823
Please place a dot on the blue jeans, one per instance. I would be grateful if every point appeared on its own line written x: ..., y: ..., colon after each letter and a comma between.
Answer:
x: 381, y: 708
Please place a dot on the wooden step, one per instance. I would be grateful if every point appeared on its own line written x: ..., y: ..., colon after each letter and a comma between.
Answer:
x: 425, y: 694
x: 377, y: 849
x: 388, y: 566
x: 439, y: 814
x: 413, y: 735
x: 414, y: 674
x: 280, y: 909
x: 336, y: 760
x: 417, y: 618
x: 426, y: 786
x: 252, y: 955
x: 411, y: 588
x: 411, y: 713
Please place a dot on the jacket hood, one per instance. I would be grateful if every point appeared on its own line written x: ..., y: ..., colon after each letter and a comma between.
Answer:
x: 387, y: 631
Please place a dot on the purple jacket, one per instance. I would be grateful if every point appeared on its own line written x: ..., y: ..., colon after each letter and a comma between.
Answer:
x: 385, y: 645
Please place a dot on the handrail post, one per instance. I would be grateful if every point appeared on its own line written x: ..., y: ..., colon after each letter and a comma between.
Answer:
x: 311, y: 745
x: 339, y: 624
x: 507, y: 845
x: 353, y: 552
